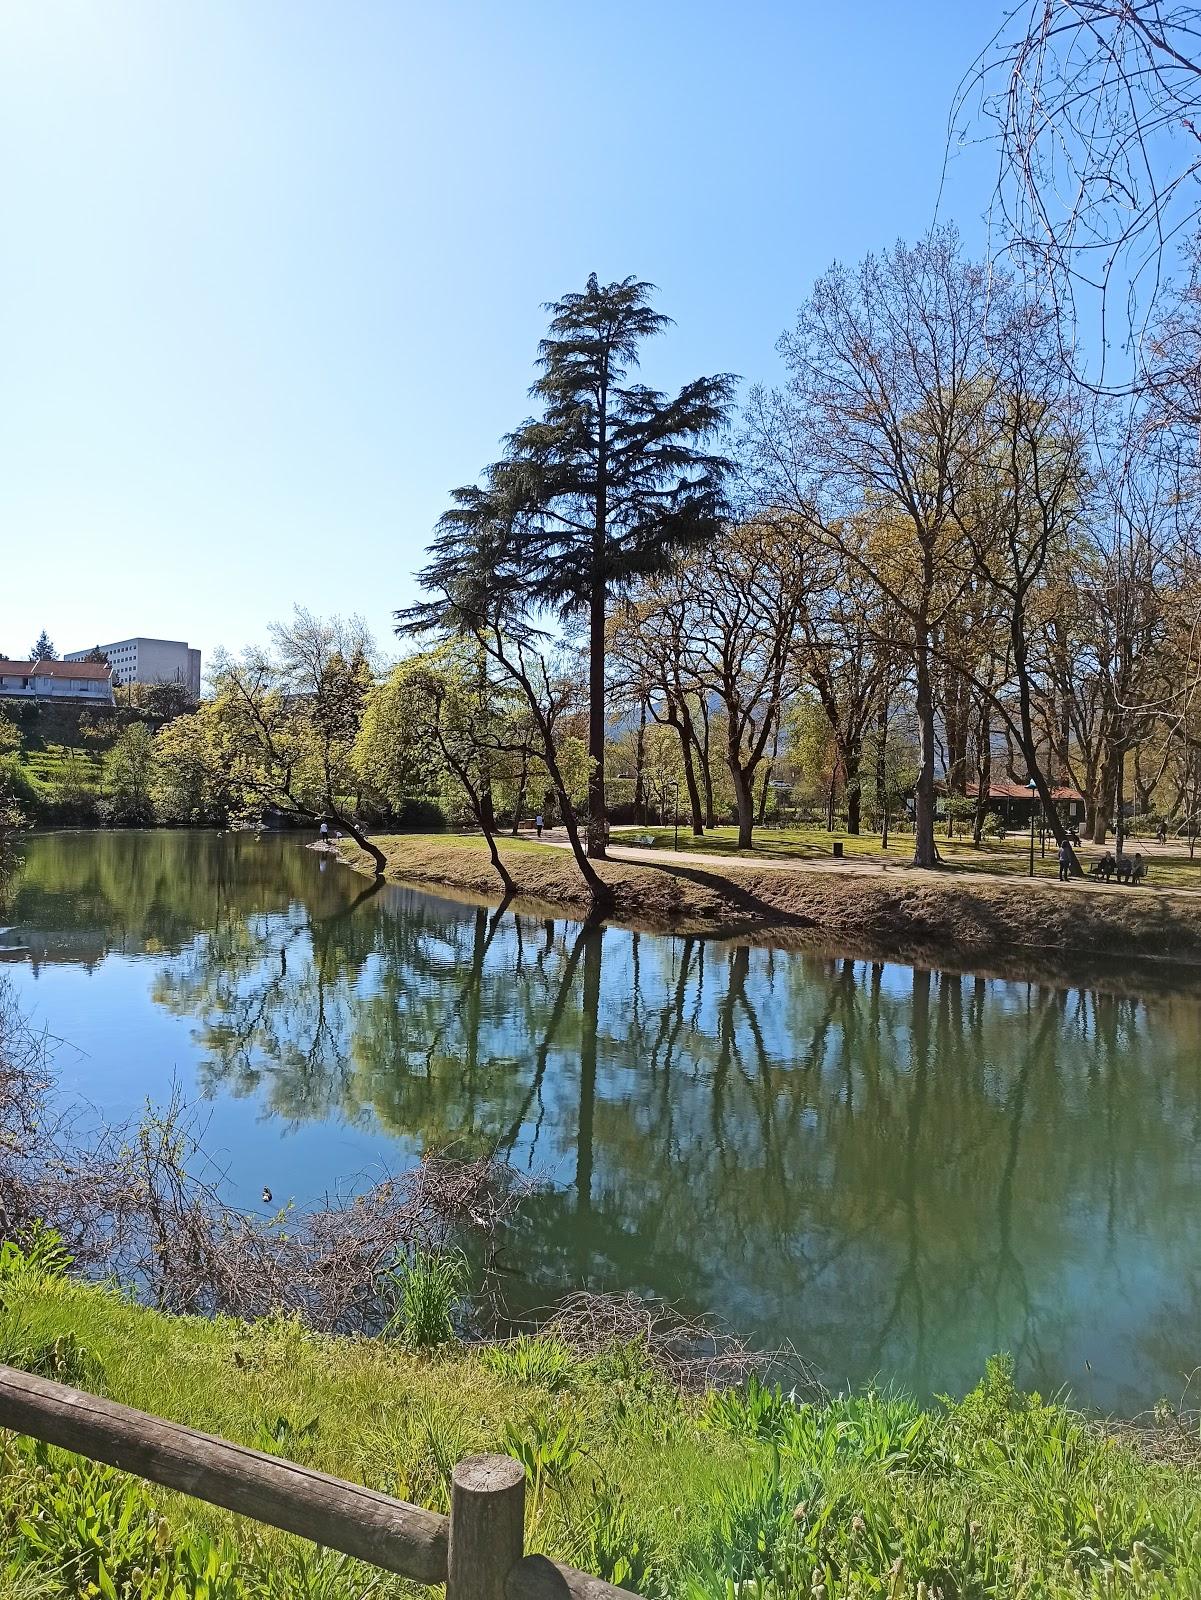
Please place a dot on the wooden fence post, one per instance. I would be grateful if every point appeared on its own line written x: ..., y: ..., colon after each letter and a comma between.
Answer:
x: 487, y: 1526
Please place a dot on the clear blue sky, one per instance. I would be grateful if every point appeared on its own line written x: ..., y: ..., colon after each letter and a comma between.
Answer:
x: 272, y: 270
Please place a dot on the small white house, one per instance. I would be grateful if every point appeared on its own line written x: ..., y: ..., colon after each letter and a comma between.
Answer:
x: 90, y: 682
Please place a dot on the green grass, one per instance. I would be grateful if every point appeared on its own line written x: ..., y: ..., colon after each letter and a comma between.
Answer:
x: 748, y: 1493
x: 48, y: 766
x: 1011, y: 856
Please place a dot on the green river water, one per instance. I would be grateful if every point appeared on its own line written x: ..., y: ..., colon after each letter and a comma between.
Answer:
x: 898, y: 1169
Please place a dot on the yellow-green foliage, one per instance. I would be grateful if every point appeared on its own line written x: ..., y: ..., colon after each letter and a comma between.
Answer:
x: 750, y: 1493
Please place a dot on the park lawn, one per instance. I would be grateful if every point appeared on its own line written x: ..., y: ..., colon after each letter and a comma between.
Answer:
x: 1170, y: 868
x: 668, y: 1493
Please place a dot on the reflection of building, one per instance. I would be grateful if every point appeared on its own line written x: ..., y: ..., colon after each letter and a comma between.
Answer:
x: 90, y: 681
x: 39, y: 947
x: 150, y: 661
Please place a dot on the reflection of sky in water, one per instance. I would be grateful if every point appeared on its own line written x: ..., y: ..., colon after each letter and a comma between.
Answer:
x: 900, y: 1171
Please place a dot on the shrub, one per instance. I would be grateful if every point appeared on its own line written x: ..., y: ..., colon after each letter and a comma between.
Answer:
x: 423, y: 1294
x: 545, y: 1362
x: 421, y: 816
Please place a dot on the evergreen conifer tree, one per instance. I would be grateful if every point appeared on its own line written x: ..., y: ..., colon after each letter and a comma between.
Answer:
x: 597, y: 490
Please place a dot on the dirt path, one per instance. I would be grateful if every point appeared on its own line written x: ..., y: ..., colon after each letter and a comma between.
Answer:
x: 862, y: 867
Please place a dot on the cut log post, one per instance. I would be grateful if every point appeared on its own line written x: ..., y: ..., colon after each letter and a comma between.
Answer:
x: 487, y: 1526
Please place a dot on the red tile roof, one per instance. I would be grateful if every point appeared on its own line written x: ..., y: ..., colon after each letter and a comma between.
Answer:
x: 1005, y: 790
x: 55, y: 669
x: 74, y: 669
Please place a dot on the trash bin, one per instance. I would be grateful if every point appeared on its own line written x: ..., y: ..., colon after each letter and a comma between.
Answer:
x: 838, y: 849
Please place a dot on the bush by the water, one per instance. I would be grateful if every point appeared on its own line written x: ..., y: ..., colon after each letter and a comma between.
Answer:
x: 753, y: 1492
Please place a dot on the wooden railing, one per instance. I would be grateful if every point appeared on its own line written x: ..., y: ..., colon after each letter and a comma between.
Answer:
x: 477, y: 1552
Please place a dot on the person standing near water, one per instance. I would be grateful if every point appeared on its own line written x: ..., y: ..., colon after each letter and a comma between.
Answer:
x: 324, y: 832
x: 538, y: 824
x: 1065, y: 862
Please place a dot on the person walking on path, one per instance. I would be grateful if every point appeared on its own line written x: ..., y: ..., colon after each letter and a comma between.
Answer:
x: 1065, y: 862
x: 538, y: 824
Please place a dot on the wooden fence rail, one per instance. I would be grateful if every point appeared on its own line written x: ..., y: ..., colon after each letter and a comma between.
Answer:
x: 477, y: 1551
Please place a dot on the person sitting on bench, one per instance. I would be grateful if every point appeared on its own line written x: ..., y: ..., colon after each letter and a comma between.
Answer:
x: 1103, y: 868
x: 1138, y: 869
x: 1123, y: 868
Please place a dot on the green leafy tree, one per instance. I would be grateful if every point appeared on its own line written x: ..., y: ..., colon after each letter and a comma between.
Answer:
x: 285, y: 723
x: 391, y: 757
x: 599, y: 489
x: 189, y: 784
x: 445, y: 709
x: 76, y: 785
x: 128, y: 774
x: 44, y: 649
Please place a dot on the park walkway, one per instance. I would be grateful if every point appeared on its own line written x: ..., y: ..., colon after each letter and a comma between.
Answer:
x: 865, y: 866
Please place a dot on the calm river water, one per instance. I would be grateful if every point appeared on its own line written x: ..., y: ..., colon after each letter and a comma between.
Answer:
x: 899, y: 1170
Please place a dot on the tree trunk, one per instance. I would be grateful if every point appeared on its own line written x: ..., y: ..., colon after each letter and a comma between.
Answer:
x: 498, y: 866
x: 678, y: 718
x: 983, y: 775
x: 1106, y: 782
x: 487, y: 810
x: 519, y: 806
x: 882, y: 767
x: 706, y: 771
x: 854, y: 792
x: 596, y: 645
x: 1119, y: 819
x: 955, y: 694
x: 361, y: 839
x: 596, y: 722
x: 767, y: 772
x: 745, y: 801
x: 599, y: 890
x: 1142, y: 786
x: 1050, y: 816
x: 925, y: 852
x: 640, y: 767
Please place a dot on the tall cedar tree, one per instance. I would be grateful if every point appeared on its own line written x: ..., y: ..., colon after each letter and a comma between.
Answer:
x: 598, y: 490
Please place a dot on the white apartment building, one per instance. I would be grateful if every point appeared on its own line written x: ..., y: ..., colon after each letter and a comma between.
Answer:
x: 150, y: 661
x: 56, y: 680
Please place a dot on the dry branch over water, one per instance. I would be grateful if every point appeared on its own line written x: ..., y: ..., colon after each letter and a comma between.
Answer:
x: 142, y: 1206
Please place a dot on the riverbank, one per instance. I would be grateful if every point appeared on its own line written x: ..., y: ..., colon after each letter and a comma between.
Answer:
x: 909, y: 914
x: 664, y: 1492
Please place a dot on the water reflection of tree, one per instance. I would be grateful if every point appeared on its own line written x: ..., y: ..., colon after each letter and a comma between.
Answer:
x: 898, y: 1168
x: 154, y: 893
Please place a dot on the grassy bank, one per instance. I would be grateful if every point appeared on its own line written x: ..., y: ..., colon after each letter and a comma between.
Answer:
x: 906, y: 913
x: 996, y: 1495
x: 1170, y: 866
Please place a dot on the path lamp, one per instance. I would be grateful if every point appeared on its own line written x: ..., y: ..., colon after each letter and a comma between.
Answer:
x: 1033, y: 788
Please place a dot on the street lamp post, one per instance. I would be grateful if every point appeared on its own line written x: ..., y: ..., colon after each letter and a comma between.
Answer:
x: 675, y: 843
x: 1033, y: 788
